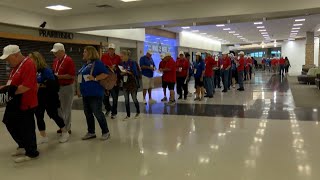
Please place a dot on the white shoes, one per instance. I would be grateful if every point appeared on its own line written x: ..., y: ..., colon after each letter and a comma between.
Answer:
x: 22, y: 159
x: 64, y: 137
x: 152, y: 101
x: 42, y: 140
x: 105, y: 136
x: 19, y: 152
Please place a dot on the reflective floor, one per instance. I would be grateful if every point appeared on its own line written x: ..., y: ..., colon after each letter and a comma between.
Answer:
x: 258, y: 134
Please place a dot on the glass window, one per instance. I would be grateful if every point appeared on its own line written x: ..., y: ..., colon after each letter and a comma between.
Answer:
x: 260, y: 54
x: 256, y: 54
x: 252, y: 54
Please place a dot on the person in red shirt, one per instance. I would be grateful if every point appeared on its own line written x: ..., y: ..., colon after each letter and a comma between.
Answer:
x: 282, y: 65
x: 182, y: 75
x: 64, y: 68
x: 112, y: 60
x: 225, y: 67
x: 240, y: 68
x: 209, y: 75
x: 169, y: 76
x: 161, y: 67
x: 249, y: 68
x: 274, y: 63
x: 21, y: 122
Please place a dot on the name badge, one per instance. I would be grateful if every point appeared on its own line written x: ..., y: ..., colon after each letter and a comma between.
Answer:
x: 79, y: 78
x: 56, y: 74
x: 195, y: 71
x: 9, y: 82
x: 151, y: 66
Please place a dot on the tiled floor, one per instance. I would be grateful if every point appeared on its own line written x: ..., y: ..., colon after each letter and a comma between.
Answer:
x: 258, y: 134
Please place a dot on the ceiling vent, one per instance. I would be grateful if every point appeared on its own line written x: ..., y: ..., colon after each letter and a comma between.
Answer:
x: 104, y: 6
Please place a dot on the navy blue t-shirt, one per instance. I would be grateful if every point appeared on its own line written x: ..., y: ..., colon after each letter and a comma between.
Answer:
x: 45, y: 74
x: 92, y: 88
x: 145, y: 61
x: 200, y: 67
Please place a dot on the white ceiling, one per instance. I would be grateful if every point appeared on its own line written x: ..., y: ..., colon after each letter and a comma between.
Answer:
x: 82, y: 6
x: 278, y: 29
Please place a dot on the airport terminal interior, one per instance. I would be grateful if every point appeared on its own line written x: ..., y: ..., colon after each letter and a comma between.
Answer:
x: 242, y: 81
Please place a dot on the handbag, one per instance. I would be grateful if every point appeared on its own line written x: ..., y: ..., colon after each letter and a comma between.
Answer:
x: 110, y: 81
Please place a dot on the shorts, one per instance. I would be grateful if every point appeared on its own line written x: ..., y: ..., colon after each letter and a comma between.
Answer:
x: 169, y: 85
x: 147, y: 83
x: 198, y: 83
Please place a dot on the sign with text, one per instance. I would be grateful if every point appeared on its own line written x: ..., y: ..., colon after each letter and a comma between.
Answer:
x: 55, y: 34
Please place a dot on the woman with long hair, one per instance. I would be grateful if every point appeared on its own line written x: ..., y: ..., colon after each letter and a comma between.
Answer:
x: 48, y: 99
x: 199, y: 70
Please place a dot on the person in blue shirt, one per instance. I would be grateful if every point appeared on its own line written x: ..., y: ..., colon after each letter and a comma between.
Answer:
x: 92, y: 92
x: 147, y: 69
x: 199, y: 69
x: 48, y: 99
x: 130, y: 82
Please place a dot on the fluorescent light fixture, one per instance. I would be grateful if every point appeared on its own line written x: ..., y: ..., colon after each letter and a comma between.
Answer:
x: 294, y: 31
x: 318, y: 29
x: 203, y: 33
x: 226, y: 29
x: 297, y: 24
x: 256, y: 23
x: 239, y: 36
x: 58, y: 7
x: 129, y: 0
x: 220, y: 25
x: 232, y: 32
x: 242, y: 38
x: 300, y: 20
x: 264, y: 33
x: 291, y: 39
x: 186, y: 27
x: 236, y: 34
x: 260, y: 27
x: 262, y: 30
x: 296, y: 28
x: 195, y: 31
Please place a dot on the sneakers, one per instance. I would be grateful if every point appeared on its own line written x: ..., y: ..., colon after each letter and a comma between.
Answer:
x: 137, y: 116
x: 23, y: 159
x: 190, y: 94
x: 64, y: 137
x: 165, y: 99
x: 89, y: 136
x: 240, y: 89
x: 19, y: 152
x: 114, y: 116
x: 171, y: 103
x: 105, y: 136
x: 152, y: 101
x: 197, y: 99
x: 144, y: 101
x: 126, y: 118
x: 59, y: 131
x: 42, y: 140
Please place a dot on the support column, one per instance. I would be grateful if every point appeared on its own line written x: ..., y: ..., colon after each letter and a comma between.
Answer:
x: 309, y: 60
x: 319, y: 54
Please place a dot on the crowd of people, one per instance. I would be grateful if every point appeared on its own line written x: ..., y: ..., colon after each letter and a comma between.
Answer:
x: 34, y: 88
x: 276, y: 64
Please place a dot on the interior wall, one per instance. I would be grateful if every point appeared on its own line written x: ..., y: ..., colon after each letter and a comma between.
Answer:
x: 131, y: 34
x: 192, y: 40
x: 295, y: 51
x: 316, y: 51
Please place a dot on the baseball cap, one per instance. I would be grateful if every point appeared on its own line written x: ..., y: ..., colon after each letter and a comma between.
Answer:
x: 8, y: 50
x: 150, y: 52
x: 162, y: 56
x: 168, y: 54
x: 208, y: 52
x: 225, y: 52
x: 112, y: 46
x: 198, y: 54
x: 181, y: 53
x: 241, y: 53
x: 57, y: 47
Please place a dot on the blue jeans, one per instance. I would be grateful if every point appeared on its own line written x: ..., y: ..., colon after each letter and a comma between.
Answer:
x: 92, y: 106
x: 209, y: 85
x: 127, y: 101
x: 240, y: 79
x: 282, y: 69
x: 225, y: 79
x: 114, y: 92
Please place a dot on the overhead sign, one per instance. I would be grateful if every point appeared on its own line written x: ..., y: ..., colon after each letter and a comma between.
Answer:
x: 55, y: 34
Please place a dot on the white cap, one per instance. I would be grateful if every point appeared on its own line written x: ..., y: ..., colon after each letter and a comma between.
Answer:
x: 198, y: 54
x: 208, y: 52
x: 162, y: 56
x: 57, y: 47
x: 181, y: 52
x: 8, y: 50
x: 241, y: 53
x: 111, y: 46
x: 168, y: 54
x: 150, y: 52
x: 225, y: 52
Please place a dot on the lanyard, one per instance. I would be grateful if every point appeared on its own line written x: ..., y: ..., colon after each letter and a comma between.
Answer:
x: 12, y: 75
x: 84, y: 67
x: 57, y: 70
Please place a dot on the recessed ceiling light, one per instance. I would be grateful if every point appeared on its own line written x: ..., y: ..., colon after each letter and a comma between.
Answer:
x: 264, y: 33
x: 262, y: 30
x: 236, y: 34
x: 242, y: 38
x: 239, y: 36
x: 294, y: 31
x: 129, y: 0
x: 260, y: 27
x: 186, y: 27
x: 220, y: 25
x: 58, y: 7
x: 296, y: 28
x: 300, y: 20
x: 226, y: 29
x: 297, y: 24
x: 203, y: 33
x: 257, y: 23
x: 232, y: 32
x: 195, y: 31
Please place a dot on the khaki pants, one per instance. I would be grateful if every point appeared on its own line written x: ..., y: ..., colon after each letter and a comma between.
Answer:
x: 66, y: 94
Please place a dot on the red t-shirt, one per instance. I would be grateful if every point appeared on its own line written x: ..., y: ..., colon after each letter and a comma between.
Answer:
x: 226, y: 63
x: 162, y: 64
x: 241, y: 64
x: 26, y: 75
x: 210, y: 63
x: 110, y: 60
x: 184, y: 65
x: 274, y: 62
x: 170, y: 76
x: 62, y: 67
x: 282, y: 61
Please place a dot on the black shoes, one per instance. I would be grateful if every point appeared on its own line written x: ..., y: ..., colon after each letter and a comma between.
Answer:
x: 240, y: 89
x: 224, y: 91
